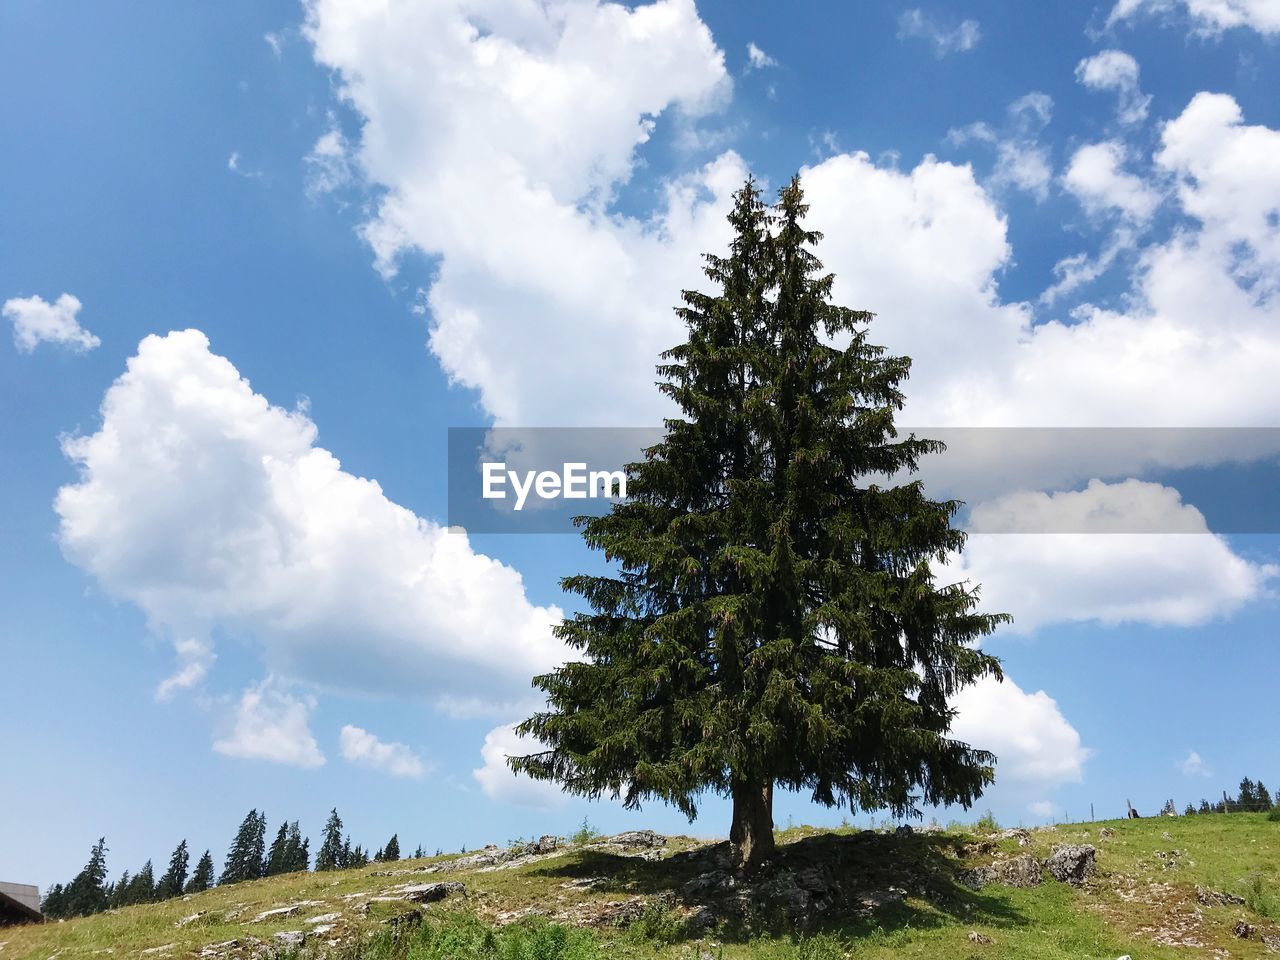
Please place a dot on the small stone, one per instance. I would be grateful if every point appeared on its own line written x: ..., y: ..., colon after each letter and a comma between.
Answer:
x: 323, y: 918
x: 290, y: 938
x: 430, y: 892
x: 1243, y: 931
x: 976, y: 937
x: 161, y: 949
x: 191, y: 919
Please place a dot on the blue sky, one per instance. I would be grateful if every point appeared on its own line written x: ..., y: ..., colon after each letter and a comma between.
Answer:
x: 389, y: 227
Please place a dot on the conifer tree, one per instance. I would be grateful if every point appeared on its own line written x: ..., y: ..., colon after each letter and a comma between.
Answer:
x: 202, y: 878
x: 54, y: 903
x: 142, y: 888
x: 87, y: 893
x: 1248, y: 799
x: 297, y: 855
x: 392, y: 850
x: 774, y: 620
x: 1262, y: 796
x: 175, y: 877
x: 278, y: 855
x: 1205, y: 807
x: 245, y: 858
x: 329, y: 856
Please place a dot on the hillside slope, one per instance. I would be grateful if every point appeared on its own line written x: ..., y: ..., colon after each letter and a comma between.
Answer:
x: 1162, y: 887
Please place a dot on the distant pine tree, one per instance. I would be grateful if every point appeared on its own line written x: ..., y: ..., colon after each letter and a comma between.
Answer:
x: 142, y: 888
x: 1190, y: 811
x: 357, y: 857
x: 392, y: 850
x: 247, y: 853
x: 1248, y: 799
x: 1263, y: 795
x: 377, y: 857
x: 1205, y: 807
x: 329, y: 856
x: 54, y: 903
x: 297, y: 855
x: 202, y: 879
x: 87, y: 893
x: 419, y: 853
x: 175, y: 877
x: 278, y: 855
x: 345, y: 859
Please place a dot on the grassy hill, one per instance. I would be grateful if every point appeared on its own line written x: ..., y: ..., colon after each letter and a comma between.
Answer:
x: 1163, y: 887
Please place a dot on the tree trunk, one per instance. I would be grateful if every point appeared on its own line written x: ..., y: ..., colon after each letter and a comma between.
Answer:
x: 751, y: 835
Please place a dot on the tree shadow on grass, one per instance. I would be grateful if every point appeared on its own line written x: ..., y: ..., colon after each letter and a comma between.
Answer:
x: 846, y: 884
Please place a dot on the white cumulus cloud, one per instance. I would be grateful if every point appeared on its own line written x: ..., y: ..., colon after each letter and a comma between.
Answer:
x: 1173, y: 579
x: 500, y: 782
x: 37, y: 321
x: 1096, y: 176
x: 1118, y: 71
x: 364, y: 749
x: 269, y: 723
x: 919, y: 25
x: 1209, y: 17
x: 211, y: 509
x: 1033, y: 742
x: 1194, y: 766
x: 757, y: 59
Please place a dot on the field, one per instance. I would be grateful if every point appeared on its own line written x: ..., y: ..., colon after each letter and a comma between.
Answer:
x: 1162, y: 888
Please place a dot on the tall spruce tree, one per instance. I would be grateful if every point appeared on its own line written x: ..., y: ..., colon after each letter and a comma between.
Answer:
x: 174, y: 879
x: 278, y: 855
x: 329, y: 857
x: 54, y: 904
x: 774, y: 620
x: 87, y: 893
x: 202, y: 878
x: 245, y: 859
x: 392, y: 850
x: 141, y: 888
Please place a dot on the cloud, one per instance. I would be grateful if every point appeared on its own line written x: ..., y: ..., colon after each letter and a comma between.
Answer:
x: 500, y: 783
x: 1208, y: 17
x: 1041, y: 808
x: 1170, y: 579
x: 195, y: 657
x: 214, y: 511
x: 275, y: 41
x: 364, y: 749
x: 271, y: 724
x: 1022, y: 162
x: 1033, y: 742
x: 1194, y: 766
x: 1116, y: 70
x: 757, y: 59
x: 236, y: 165
x: 533, y: 116
x: 35, y: 321
x: 917, y: 25
x: 1096, y: 178
x: 328, y: 165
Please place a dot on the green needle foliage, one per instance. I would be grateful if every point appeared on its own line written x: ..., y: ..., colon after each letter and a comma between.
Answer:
x: 774, y: 620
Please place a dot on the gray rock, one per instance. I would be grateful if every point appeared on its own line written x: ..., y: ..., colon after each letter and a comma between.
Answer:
x: 544, y: 844
x: 879, y: 899
x: 1216, y: 898
x: 431, y: 892
x: 904, y: 831
x: 1073, y: 863
x: 1020, y: 871
x: 1243, y: 931
x: 191, y: 919
x: 290, y: 938
x: 635, y: 838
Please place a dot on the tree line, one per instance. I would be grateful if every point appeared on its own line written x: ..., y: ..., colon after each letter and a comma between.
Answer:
x: 1253, y: 797
x: 248, y: 858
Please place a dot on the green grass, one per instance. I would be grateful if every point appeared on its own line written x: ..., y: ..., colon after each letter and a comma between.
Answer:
x: 1145, y: 892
